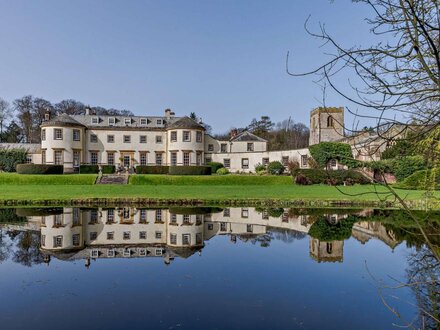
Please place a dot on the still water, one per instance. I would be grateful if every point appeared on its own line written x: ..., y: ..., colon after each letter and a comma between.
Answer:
x: 200, y: 268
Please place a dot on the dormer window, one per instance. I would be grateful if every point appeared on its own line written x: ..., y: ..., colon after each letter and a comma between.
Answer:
x: 111, y: 121
x: 127, y: 121
x: 159, y: 122
x: 143, y: 121
x: 95, y: 120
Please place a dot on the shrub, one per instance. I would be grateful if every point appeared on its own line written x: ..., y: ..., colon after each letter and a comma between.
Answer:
x: 312, y: 163
x: 39, y: 169
x: 302, y: 180
x: 424, y: 180
x: 275, y: 168
x: 325, y: 151
x: 222, y: 171
x: 320, y: 176
x: 108, y: 169
x: 292, y: 166
x: 405, y: 166
x: 215, y: 166
x: 190, y: 170
x: 88, y: 169
x: 156, y: 169
x: 9, y: 158
x: 259, y: 167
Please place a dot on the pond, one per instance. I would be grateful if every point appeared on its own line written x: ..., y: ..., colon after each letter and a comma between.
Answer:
x: 215, y: 268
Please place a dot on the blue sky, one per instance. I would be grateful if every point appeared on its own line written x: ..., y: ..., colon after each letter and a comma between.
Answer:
x: 224, y: 60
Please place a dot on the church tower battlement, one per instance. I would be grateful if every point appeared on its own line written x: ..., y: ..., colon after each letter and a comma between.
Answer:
x: 326, y: 124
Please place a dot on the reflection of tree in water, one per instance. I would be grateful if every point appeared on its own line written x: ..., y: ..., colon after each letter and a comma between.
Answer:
x: 5, y: 246
x: 24, y: 248
x: 424, y: 279
x: 284, y: 235
x: 287, y: 236
x: 263, y: 239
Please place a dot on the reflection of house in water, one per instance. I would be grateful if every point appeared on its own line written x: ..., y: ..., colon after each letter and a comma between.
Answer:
x: 129, y: 232
x: 363, y: 231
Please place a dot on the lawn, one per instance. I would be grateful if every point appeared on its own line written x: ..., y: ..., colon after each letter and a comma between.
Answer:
x: 208, y: 188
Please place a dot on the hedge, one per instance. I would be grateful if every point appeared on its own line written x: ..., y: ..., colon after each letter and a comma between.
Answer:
x: 9, y: 158
x: 190, y: 170
x: 39, y: 169
x: 88, y: 169
x: 319, y: 176
x: 215, y: 166
x: 108, y: 169
x: 155, y: 169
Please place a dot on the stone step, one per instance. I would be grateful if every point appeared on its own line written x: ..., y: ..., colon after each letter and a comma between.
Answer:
x: 113, y: 179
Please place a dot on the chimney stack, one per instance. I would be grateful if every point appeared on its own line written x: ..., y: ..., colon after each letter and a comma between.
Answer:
x: 47, y: 115
x: 169, y: 113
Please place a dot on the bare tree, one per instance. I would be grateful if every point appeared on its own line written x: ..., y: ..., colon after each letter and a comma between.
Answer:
x: 24, y: 109
x: 5, y: 114
x: 395, y: 81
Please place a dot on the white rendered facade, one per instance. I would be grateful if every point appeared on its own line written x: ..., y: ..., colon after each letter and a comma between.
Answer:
x: 174, y: 141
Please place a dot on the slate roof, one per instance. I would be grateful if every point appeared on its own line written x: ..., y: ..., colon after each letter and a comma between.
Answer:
x: 247, y: 136
x: 62, y: 120
x: 32, y: 148
x: 185, y: 122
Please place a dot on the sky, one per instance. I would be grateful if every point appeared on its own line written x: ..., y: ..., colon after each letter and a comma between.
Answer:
x: 224, y: 60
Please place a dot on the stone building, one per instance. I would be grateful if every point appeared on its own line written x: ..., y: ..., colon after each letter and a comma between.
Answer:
x: 129, y: 141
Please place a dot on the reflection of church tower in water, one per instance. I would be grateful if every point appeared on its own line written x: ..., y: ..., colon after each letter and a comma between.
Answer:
x: 331, y: 251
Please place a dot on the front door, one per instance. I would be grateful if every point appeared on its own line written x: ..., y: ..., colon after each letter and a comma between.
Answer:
x: 76, y: 159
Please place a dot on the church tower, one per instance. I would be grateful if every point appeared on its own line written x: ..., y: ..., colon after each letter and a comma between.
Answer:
x: 326, y: 124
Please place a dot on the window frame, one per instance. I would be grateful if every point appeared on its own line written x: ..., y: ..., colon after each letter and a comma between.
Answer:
x: 55, y: 134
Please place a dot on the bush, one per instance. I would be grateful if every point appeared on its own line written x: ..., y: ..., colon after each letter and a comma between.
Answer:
x: 108, y: 169
x: 292, y: 166
x: 423, y: 180
x: 39, y: 169
x: 155, y: 169
x: 88, y: 169
x: 405, y: 166
x: 302, y: 180
x: 222, y: 171
x: 319, y: 176
x: 401, y: 167
x: 190, y: 170
x: 259, y: 167
x: 215, y: 166
x: 275, y: 168
x: 9, y: 158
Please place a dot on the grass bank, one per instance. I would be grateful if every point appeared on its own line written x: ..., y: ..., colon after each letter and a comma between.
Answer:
x: 48, y: 179
x: 193, y: 190
x: 211, y: 180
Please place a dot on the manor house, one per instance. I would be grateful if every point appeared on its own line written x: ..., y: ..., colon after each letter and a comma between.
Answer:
x: 71, y: 140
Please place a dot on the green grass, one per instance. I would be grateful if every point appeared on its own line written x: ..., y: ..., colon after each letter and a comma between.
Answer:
x: 204, y: 192
x: 211, y: 180
x: 47, y: 179
x: 207, y: 188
